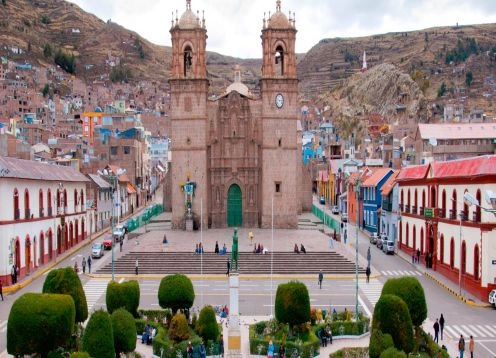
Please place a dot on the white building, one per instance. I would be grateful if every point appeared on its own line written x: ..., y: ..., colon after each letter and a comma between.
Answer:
x: 43, y: 214
x: 455, y: 238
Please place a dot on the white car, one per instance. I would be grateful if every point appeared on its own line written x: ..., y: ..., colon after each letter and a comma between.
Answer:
x: 492, y: 298
x: 335, y: 210
x: 97, y: 250
x: 388, y: 247
x: 344, y: 217
x: 119, y: 232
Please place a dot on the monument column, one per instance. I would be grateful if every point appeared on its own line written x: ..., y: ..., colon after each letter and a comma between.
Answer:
x: 234, y: 332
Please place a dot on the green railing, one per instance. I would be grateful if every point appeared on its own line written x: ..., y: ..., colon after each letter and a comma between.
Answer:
x: 145, y: 217
x: 327, y: 220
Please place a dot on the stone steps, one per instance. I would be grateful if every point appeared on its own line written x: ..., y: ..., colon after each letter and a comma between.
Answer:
x: 284, y: 263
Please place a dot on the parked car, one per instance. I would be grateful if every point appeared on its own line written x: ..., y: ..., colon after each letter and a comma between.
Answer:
x: 388, y: 247
x: 107, y: 241
x: 97, y: 250
x: 322, y: 199
x: 335, y: 209
x: 373, y: 238
x: 379, y: 243
x: 119, y: 232
x: 492, y: 298
x: 344, y: 217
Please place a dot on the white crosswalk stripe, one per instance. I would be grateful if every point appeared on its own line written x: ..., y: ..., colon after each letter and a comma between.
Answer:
x: 94, y: 289
x: 401, y: 273
x: 372, y: 290
x: 3, y: 326
x: 478, y: 331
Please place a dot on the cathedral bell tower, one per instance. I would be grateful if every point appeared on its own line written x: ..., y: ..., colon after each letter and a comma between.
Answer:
x: 279, y: 88
x: 188, y: 116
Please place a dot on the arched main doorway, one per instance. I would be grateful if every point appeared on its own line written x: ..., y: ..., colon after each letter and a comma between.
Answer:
x: 234, y: 206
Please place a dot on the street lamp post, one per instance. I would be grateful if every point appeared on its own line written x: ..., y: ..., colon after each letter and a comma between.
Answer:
x: 357, y: 192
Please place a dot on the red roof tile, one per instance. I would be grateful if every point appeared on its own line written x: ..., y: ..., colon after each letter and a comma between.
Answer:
x: 375, y: 175
x: 470, y: 167
x: 413, y: 172
x: 389, y: 184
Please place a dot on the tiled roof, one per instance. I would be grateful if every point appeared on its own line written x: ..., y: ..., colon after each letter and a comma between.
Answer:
x: 470, y: 167
x: 375, y: 175
x: 458, y: 131
x: 389, y: 184
x: 413, y: 172
x: 102, y: 183
x: 29, y: 169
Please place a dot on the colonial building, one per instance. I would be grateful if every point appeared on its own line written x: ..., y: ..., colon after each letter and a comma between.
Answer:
x: 454, y: 237
x: 237, y: 157
x: 43, y: 213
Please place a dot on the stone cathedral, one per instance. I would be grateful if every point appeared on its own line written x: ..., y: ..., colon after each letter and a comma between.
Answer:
x: 236, y: 158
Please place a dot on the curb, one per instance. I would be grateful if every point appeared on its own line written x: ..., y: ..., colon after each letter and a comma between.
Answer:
x: 456, y: 294
x: 218, y: 276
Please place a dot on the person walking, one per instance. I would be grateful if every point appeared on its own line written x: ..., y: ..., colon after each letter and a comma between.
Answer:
x: 228, y: 267
x: 1, y: 289
x: 83, y: 264
x: 216, y: 249
x: 441, y: 325
x: 461, y: 346
x: 367, y: 273
x: 13, y: 274
x: 369, y: 256
x: 203, y: 351
x: 136, y: 267
x: 221, y: 345
x: 89, y: 263
x: 321, y: 277
x: 436, y: 331
x: 120, y: 244
x: 471, y: 346
x: 418, y: 255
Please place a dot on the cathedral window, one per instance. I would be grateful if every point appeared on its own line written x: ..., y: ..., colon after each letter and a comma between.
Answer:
x: 278, y: 187
x: 279, y: 57
x: 188, y: 60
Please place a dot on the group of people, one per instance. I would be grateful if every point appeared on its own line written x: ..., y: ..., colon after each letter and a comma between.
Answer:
x: 439, y: 328
x: 148, y: 334
x: 199, y: 249
x: 271, y: 349
x: 83, y: 265
x: 325, y: 335
x: 301, y: 249
x: 202, y: 351
x: 259, y: 249
x: 221, y: 251
x: 416, y: 256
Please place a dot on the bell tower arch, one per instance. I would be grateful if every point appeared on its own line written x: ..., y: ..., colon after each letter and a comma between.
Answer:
x: 279, y: 89
x: 188, y: 114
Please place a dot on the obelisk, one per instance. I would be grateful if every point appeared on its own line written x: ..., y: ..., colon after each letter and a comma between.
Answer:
x: 234, y: 332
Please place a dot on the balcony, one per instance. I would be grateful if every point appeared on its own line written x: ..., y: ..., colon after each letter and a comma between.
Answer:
x: 476, y: 217
x: 42, y: 212
x: 452, y: 214
x: 50, y: 211
x: 407, y: 209
x: 464, y: 215
x: 401, y: 207
x: 414, y: 209
x: 27, y: 213
x: 442, y: 214
x: 421, y: 211
x: 17, y: 214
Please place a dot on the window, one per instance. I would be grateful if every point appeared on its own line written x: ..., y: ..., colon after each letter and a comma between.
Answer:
x: 113, y: 150
x: 17, y: 214
x: 27, y: 211
x: 127, y: 149
x: 40, y: 203
x: 278, y: 187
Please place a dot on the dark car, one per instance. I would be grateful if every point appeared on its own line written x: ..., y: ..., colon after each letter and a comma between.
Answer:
x: 322, y: 199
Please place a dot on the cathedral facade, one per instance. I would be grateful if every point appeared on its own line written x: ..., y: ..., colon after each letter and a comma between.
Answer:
x: 236, y: 158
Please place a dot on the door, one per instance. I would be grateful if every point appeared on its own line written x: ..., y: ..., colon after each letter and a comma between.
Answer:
x: 234, y: 206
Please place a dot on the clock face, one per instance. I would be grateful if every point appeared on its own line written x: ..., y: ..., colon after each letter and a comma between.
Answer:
x: 279, y: 100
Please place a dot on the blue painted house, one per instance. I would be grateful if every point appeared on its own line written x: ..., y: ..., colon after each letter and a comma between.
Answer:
x: 372, y: 182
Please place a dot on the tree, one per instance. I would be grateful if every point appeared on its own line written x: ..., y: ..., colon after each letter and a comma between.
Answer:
x: 98, y: 337
x: 65, y: 61
x: 126, y: 295
x: 47, y: 50
x: 124, y: 329
x: 411, y: 291
x: 392, y: 352
x: 39, y: 323
x: 469, y: 78
x: 207, y: 326
x: 391, y: 316
x: 379, y: 342
x: 45, y: 90
x: 292, y: 305
x: 176, y: 292
x: 178, y: 329
x: 66, y: 281
x: 442, y: 90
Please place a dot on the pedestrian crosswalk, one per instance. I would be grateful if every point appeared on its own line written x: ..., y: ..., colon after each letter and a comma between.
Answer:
x: 3, y: 326
x: 401, y: 273
x: 372, y: 290
x: 476, y: 330
x: 94, y: 289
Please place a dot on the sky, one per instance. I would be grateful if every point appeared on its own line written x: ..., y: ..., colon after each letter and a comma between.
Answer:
x: 234, y: 26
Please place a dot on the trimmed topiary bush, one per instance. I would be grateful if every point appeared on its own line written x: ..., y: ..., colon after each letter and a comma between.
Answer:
x: 206, y: 325
x: 125, y: 294
x: 392, y: 352
x: 379, y: 342
x: 292, y: 305
x: 411, y: 291
x: 124, y: 329
x: 178, y: 329
x: 66, y: 281
x: 176, y: 292
x: 80, y: 355
x: 391, y: 316
x: 39, y: 323
x: 98, y: 338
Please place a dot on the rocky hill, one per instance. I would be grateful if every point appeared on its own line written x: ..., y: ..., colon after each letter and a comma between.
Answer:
x: 32, y: 25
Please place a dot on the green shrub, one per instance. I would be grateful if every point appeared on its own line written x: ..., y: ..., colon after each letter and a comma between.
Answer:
x: 80, y: 355
x: 392, y: 352
x: 176, y: 292
x: 39, y: 323
x: 124, y: 330
x: 391, y: 316
x: 292, y: 303
x: 178, y: 330
x: 98, y: 338
x: 125, y: 295
x: 66, y: 281
x: 379, y: 342
x: 207, y: 326
x: 411, y: 291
